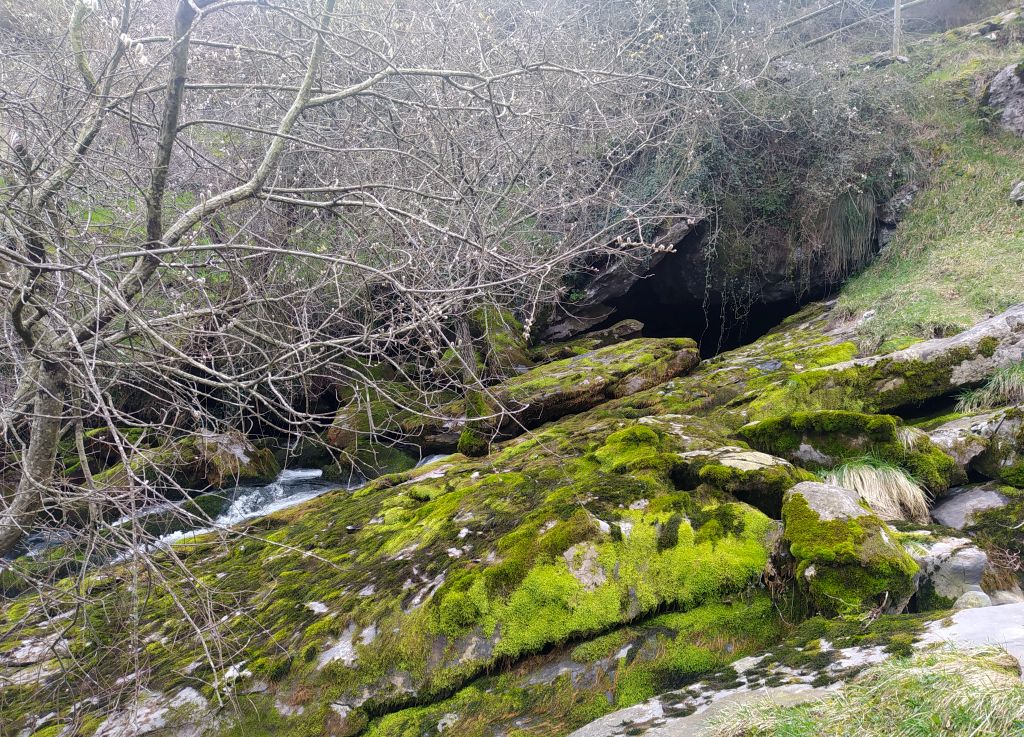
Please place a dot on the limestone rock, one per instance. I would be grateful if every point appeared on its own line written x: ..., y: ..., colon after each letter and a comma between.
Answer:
x: 578, y: 383
x: 958, y: 508
x: 1003, y: 457
x: 184, y: 714
x: 198, y: 462
x: 759, y: 479
x: 617, y: 333
x: 972, y: 600
x: 950, y: 567
x: 966, y: 438
x: 913, y: 375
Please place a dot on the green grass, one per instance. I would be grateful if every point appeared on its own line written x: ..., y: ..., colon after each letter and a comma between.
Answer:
x: 957, y: 256
x: 1005, y: 386
x: 934, y: 694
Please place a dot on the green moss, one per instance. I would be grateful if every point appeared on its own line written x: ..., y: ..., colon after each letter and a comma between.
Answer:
x: 846, y: 565
x: 987, y: 346
x: 837, y: 436
x: 472, y: 443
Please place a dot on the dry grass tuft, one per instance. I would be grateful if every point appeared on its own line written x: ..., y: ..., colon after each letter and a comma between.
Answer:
x: 890, y: 491
x: 1005, y: 386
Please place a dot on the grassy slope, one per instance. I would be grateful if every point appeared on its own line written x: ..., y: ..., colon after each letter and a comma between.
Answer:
x: 959, y: 254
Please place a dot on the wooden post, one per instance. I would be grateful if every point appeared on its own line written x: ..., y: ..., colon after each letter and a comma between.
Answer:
x: 897, y: 27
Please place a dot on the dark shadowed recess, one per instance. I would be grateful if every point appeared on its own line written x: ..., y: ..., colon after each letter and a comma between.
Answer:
x: 683, y: 297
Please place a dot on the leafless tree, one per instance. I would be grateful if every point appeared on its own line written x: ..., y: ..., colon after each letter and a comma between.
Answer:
x: 213, y: 210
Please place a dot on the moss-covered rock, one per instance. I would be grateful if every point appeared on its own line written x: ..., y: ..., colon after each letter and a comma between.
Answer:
x: 910, y: 376
x: 617, y: 333
x: 825, y: 438
x: 579, y: 383
x: 756, y: 478
x: 1003, y: 457
x: 847, y: 559
x: 369, y: 460
x: 503, y: 340
x: 196, y: 462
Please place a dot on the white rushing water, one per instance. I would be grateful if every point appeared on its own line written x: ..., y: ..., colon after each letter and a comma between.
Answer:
x: 292, y: 486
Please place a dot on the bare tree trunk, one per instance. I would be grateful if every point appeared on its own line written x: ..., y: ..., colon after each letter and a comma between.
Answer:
x: 40, y: 457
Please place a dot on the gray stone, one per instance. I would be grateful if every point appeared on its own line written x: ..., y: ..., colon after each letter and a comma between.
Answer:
x: 972, y: 600
x: 584, y: 566
x: 957, y: 510
x: 830, y: 502
x: 966, y: 438
x: 953, y: 565
x: 1005, y: 96
x: 1005, y: 332
x: 1017, y: 193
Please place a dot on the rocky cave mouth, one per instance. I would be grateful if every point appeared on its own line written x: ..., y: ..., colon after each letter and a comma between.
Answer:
x: 716, y: 326
x: 683, y: 296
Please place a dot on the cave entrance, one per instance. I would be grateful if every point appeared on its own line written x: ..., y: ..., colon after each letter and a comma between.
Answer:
x: 682, y: 297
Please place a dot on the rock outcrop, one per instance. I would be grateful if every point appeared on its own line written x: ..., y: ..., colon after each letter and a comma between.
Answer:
x: 1004, y: 96
x: 623, y: 542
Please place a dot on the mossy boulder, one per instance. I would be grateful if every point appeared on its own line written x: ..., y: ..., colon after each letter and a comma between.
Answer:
x: 756, y: 478
x: 579, y: 383
x: 619, y: 332
x: 196, y: 462
x: 964, y: 438
x: 825, y: 438
x: 369, y: 460
x: 847, y: 559
x: 503, y: 341
x: 1003, y: 457
x: 903, y: 378
x: 229, y: 459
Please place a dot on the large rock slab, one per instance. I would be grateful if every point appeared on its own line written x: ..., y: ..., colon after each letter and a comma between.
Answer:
x: 907, y: 377
x: 576, y: 384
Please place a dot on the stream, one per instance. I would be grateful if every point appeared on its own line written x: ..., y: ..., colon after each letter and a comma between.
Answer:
x: 292, y: 486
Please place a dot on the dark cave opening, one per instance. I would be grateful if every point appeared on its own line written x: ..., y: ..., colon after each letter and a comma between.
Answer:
x: 683, y: 297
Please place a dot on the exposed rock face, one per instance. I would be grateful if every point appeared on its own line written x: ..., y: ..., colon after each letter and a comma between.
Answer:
x: 1005, y: 96
x: 182, y: 715
x: 632, y: 518
x: 620, y: 331
x: 950, y: 567
x: 966, y: 438
x: 923, y: 371
x: 959, y: 507
x: 757, y: 478
x: 198, y: 462
x: 579, y: 383
x: 847, y: 558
